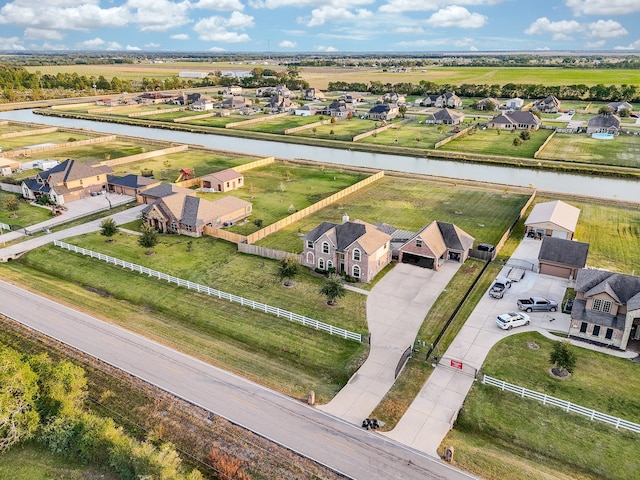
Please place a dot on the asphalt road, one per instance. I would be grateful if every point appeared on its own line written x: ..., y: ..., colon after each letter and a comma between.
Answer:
x: 350, y: 450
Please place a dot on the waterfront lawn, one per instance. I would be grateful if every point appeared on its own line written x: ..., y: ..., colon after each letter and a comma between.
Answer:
x: 274, y: 352
x: 524, y: 428
x: 497, y: 143
x: 343, y: 130
x: 170, y: 116
x: 26, y: 214
x: 280, y: 189
x: 410, y: 135
x: 16, y: 143
x: 218, y: 121
x: 15, y: 127
x: 98, y: 152
x: 280, y: 124
x: 410, y: 204
x: 622, y: 151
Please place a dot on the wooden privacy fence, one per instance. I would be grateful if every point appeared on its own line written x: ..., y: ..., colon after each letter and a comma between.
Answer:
x: 159, y: 111
x: 257, y: 120
x: 33, y: 131
x: 308, y: 126
x: 565, y: 405
x: 224, y: 234
x: 274, y: 227
x: 194, y: 117
x: 453, y: 137
x: 59, y: 146
x: 278, y: 312
x: 267, y: 252
x: 255, y: 164
x: 145, y: 156
x: 544, y: 144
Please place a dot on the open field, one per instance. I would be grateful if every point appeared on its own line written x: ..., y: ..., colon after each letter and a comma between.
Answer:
x: 525, y: 428
x: 279, y: 125
x: 411, y: 204
x: 497, y: 143
x: 26, y: 214
x: 16, y: 143
x: 623, y: 150
x: 15, y: 127
x: 410, y: 135
x: 343, y: 130
x: 97, y: 152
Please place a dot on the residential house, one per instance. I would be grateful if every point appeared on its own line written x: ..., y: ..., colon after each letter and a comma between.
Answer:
x: 352, y: 97
x: 552, y: 219
x: 338, y: 109
x: 313, y: 94
x: 514, y: 103
x: 130, y: 184
x: 428, y: 101
x: 604, y: 123
x: 222, y: 181
x: 155, y: 98
x: 490, y: 104
x: 202, y: 104
x: 281, y: 90
x: 188, y: 215
x: 435, y: 244
x: 356, y: 248
x: 8, y: 166
x: 562, y: 258
x: 445, y: 116
x: 448, y: 99
x: 619, y: 107
x: 384, y: 111
x: 67, y: 182
x: 393, y: 97
x: 549, y: 104
x: 308, y: 110
x: 236, y: 102
x: 108, y: 102
x: 232, y: 90
x: 279, y: 103
x: 515, y: 121
x: 606, y: 310
x: 150, y: 195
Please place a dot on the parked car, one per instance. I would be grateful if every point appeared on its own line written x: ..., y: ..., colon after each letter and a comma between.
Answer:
x: 537, y: 304
x: 499, y: 287
x: 507, y: 321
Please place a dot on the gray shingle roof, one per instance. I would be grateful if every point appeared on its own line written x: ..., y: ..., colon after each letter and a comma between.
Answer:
x: 567, y: 252
x: 624, y: 288
x: 131, y: 180
x: 580, y: 312
x: 454, y: 237
x: 320, y: 230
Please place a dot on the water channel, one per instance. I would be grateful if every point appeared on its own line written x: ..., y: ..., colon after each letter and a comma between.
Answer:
x: 595, y: 186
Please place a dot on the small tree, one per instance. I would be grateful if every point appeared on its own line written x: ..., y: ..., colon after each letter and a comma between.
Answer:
x: 605, y: 110
x: 149, y: 237
x: 563, y: 358
x: 517, y: 142
x: 333, y: 120
x: 525, y: 135
x: 11, y: 203
x: 333, y: 289
x: 287, y: 269
x: 108, y: 227
x: 402, y: 110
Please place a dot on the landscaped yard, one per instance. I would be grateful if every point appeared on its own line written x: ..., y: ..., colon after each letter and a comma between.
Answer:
x: 504, y: 436
x: 26, y: 214
x: 496, y: 143
x: 411, y: 204
x: 623, y: 150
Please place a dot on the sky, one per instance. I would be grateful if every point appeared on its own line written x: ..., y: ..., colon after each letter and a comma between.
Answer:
x: 282, y: 26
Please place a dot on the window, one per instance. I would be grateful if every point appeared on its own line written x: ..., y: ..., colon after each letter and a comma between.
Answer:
x: 356, y: 271
x: 321, y: 263
x: 174, y: 226
x: 356, y: 254
x: 596, y: 331
x: 606, y: 307
x: 583, y: 327
x: 597, y: 304
x: 188, y: 228
x: 419, y: 243
x: 325, y: 247
x: 309, y: 244
x: 98, y: 177
x: 601, y: 305
x: 609, y: 334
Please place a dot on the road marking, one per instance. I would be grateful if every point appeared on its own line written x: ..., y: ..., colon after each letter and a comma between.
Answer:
x: 244, y: 401
x: 335, y: 442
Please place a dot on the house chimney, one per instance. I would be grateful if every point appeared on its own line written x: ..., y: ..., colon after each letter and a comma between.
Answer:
x: 345, y: 218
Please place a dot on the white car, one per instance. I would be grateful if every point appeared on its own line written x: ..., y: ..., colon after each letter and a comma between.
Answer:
x: 507, y: 321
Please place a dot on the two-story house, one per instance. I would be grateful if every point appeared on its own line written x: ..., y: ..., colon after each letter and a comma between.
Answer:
x: 549, y: 104
x: 384, y: 111
x: 356, y: 248
x: 606, y: 310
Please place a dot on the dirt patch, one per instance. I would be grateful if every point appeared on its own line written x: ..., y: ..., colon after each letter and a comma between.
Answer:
x: 102, y: 293
x: 533, y: 346
x: 559, y: 374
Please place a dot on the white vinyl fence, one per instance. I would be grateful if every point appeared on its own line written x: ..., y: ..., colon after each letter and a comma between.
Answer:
x: 567, y: 406
x: 294, y: 317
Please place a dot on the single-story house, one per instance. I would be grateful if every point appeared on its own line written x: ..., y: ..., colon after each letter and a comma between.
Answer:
x: 163, y: 190
x: 435, y: 244
x: 491, y: 104
x: 188, y: 215
x: 235, y: 102
x: 308, y: 110
x: 154, y: 98
x: 552, y: 219
x: 604, y: 123
x: 130, y: 184
x: 352, y: 97
x: 618, y: 107
x: 562, y: 258
x: 223, y: 181
x: 445, y: 116
x: 356, y: 248
x: 384, y: 111
x: 8, y: 166
x: 514, y: 103
x: 606, y: 310
x: 313, y: 94
x: 515, y: 121
x: 202, y: 104
x: 232, y: 90
x: 68, y: 181
x: 549, y: 104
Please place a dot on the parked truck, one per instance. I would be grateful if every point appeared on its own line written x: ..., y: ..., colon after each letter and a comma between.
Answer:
x: 537, y: 304
x: 499, y: 287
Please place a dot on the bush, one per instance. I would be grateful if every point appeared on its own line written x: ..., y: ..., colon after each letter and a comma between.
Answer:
x: 149, y: 237
x: 11, y: 203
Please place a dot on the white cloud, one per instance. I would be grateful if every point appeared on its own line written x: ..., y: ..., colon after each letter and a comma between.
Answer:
x: 151, y: 45
x: 113, y: 46
x: 49, y: 46
x: 455, y: 16
x: 272, y: 4
x: 11, y: 43
x: 326, y: 13
x: 222, y: 5
x: 395, y: 6
x: 323, y: 48
x: 131, y: 48
x: 632, y: 46
x: 287, y: 44
x: 63, y: 15
x: 409, y: 30
x: 41, y: 34
x: 219, y: 29
x: 159, y: 15
x: 606, y: 29
x: 180, y: 36
x: 598, y: 44
x: 217, y: 49
x: 560, y: 30
x: 473, y: 49
x: 603, y: 7
x: 93, y: 43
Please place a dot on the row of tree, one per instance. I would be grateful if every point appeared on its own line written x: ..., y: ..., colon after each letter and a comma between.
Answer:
x: 43, y: 401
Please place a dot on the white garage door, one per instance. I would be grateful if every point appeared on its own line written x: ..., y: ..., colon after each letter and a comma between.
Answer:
x: 559, y: 234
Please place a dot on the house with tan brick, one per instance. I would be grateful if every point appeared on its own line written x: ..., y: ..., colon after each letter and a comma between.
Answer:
x: 435, y: 244
x: 222, y: 181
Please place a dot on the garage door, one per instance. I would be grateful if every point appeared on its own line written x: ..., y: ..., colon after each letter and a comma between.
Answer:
x: 418, y: 260
x: 555, y: 270
x: 559, y: 234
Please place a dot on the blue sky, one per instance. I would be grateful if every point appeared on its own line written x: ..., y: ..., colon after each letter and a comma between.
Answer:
x: 320, y: 25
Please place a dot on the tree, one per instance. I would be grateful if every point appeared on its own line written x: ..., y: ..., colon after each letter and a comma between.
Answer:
x: 402, y: 109
x: 287, y: 269
x: 108, y: 227
x: 149, y: 237
x: 563, y: 358
x: 605, y: 110
x: 525, y: 135
x: 333, y: 289
x: 517, y: 142
x: 11, y: 203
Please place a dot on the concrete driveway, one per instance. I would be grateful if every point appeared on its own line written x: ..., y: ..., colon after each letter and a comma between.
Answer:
x: 396, y: 308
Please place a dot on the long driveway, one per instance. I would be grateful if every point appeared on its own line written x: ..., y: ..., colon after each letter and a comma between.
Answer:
x: 355, y: 452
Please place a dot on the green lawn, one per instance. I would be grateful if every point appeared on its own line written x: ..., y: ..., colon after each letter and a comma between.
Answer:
x: 343, y: 130
x: 410, y: 135
x: 219, y: 121
x: 16, y: 143
x: 534, y: 432
x: 623, y: 150
x: 98, y: 152
x: 411, y: 204
x: 26, y: 214
x: 497, y: 143
x: 15, y: 127
x: 279, y: 125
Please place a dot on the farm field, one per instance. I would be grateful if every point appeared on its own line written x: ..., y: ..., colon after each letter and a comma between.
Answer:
x: 16, y: 143
x: 410, y: 204
x: 497, y: 143
x: 622, y: 151
x: 501, y: 435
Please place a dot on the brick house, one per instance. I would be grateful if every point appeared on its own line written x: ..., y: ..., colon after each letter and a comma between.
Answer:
x: 515, y: 121
x: 435, y: 244
x: 356, y: 248
x: 384, y: 111
x: 223, y: 181
x: 606, y: 310
x: 445, y: 116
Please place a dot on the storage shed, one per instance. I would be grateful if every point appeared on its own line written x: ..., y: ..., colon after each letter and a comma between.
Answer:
x: 552, y: 219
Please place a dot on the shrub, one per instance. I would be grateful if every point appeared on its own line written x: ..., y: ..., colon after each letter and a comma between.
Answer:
x: 149, y: 237
x: 11, y: 203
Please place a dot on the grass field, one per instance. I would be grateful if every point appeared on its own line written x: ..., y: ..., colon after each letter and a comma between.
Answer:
x: 410, y: 204
x: 26, y: 214
x: 526, y: 428
x: 16, y: 143
x: 97, y: 152
x: 623, y: 150
x: 411, y: 135
x: 342, y: 130
x: 15, y: 127
x: 279, y: 125
x: 496, y: 142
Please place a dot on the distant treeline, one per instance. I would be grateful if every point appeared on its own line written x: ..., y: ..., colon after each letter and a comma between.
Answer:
x: 611, y: 93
